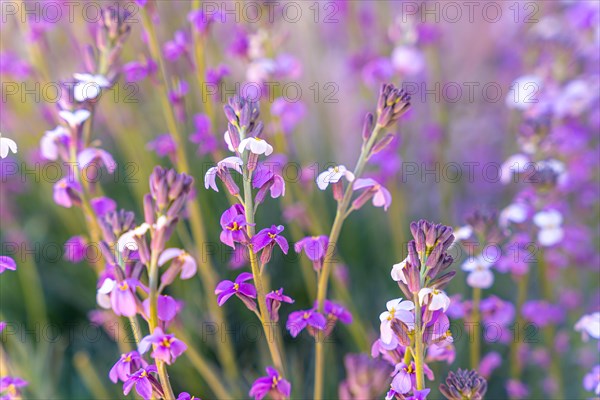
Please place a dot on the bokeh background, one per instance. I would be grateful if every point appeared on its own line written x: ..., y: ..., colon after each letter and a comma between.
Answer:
x: 331, y: 59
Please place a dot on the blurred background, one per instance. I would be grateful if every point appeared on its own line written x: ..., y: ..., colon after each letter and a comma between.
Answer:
x: 318, y: 66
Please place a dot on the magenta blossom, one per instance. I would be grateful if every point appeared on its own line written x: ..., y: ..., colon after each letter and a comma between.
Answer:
x: 267, y: 181
x: 90, y: 155
x: 315, y: 248
x: 187, y: 396
x: 336, y: 312
x: 67, y: 193
x: 75, y: 249
x: 405, y: 377
x: 145, y: 383
x: 173, y: 49
x: 266, y: 239
x: 163, y: 145
x: 12, y: 386
x: 274, y: 300
x: 298, y: 320
x: 123, y: 368
x: 245, y: 291
x: 166, y: 307
x: 233, y: 222
x: 166, y: 346
x: 7, y: 263
x: 103, y: 205
x: 122, y: 299
x: 272, y: 384
x: 381, y: 196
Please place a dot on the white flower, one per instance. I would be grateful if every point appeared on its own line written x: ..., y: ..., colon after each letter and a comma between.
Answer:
x: 48, y: 142
x: 515, y: 213
x: 398, y: 271
x: 88, y: 86
x: 408, y: 60
x: 439, y: 299
x: 103, y: 294
x: 127, y: 240
x: 515, y: 164
x: 575, y: 98
x: 463, y: 233
x: 396, y: 309
x: 228, y: 142
x: 256, y: 146
x: 524, y: 92
x: 480, y: 275
x: 589, y: 325
x: 75, y: 118
x: 550, y: 224
x: 333, y: 175
x: 227, y: 163
x: 7, y: 144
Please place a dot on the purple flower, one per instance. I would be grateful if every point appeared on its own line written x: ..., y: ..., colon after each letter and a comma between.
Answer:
x: 203, y: 136
x: 315, y: 248
x: 66, y: 193
x: 489, y: 363
x: 163, y: 145
x: 336, y: 311
x: 272, y: 384
x: 542, y: 313
x: 54, y: 143
x: 122, y: 298
x: 289, y: 113
x: 266, y: 180
x: 144, y: 382
x: 92, y: 154
x: 166, y: 307
x: 298, y: 320
x: 215, y: 75
x: 274, y: 300
x: 233, y: 222
x: 75, y: 249
x: 187, y: 396
x: 166, y: 346
x: 7, y: 263
x: 173, y: 49
x: 517, y: 389
x: 136, y: 71
x: 12, y: 387
x: 182, y: 261
x: 222, y: 171
x: 103, y: 205
x: 245, y: 291
x: 405, y: 377
x: 381, y: 196
x: 123, y: 368
x: 202, y: 21
x: 267, y: 239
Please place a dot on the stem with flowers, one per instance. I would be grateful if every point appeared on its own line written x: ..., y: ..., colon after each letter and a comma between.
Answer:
x: 391, y: 105
x: 209, y: 279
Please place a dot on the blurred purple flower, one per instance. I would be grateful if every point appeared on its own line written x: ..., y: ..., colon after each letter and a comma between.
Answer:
x: 7, y: 263
x: 273, y: 384
x: 381, y: 196
x: 591, y: 381
x: 75, y: 249
x: 336, y: 311
x: 92, y: 154
x: 163, y: 145
x: 12, y: 386
x: 290, y: 113
x: 173, y: 49
x: 103, y: 205
x: 66, y: 193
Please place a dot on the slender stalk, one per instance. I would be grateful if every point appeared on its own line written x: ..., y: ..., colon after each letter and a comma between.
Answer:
x: 336, y: 228
x: 153, y: 323
x: 475, y: 343
x: 209, y: 279
x: 418, y: 349
x: 549, y: 330
x: 515, y: 364
x: 271, y: 328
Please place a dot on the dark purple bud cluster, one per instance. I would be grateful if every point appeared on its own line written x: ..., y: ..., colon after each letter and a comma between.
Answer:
x: 485, y: 226
x: 391, y: 105
x: 464, y: 385
x: 242, y: 114
x: 169, y: 191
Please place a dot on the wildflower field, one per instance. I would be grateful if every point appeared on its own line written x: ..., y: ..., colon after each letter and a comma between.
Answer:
x: 297, y: 199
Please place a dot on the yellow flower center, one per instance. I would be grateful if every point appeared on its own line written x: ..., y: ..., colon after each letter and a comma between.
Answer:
x: 236, y: 286
x: 272, y: 235
x: 166, y: 342
x: 127, y: 359
x: 276, y: 380
x: 12, y: 390
x: 234, y: 227
x: 123, y: 286
x: 143, y: 374
x: 392, y: 313
x: 436, y: 292
x: 306, y: 315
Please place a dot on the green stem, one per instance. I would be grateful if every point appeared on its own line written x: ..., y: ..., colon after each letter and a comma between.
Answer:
x: 153, y: 323
x: 475, y: 343
x: 418, y: 349
x: 271, y: 328
x: 515, y: 364
x: 209, y: 279
x: 336, y: 228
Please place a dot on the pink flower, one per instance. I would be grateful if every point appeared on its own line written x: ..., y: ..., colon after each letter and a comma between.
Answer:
x: 166, y: 346
x: 381, y: 196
